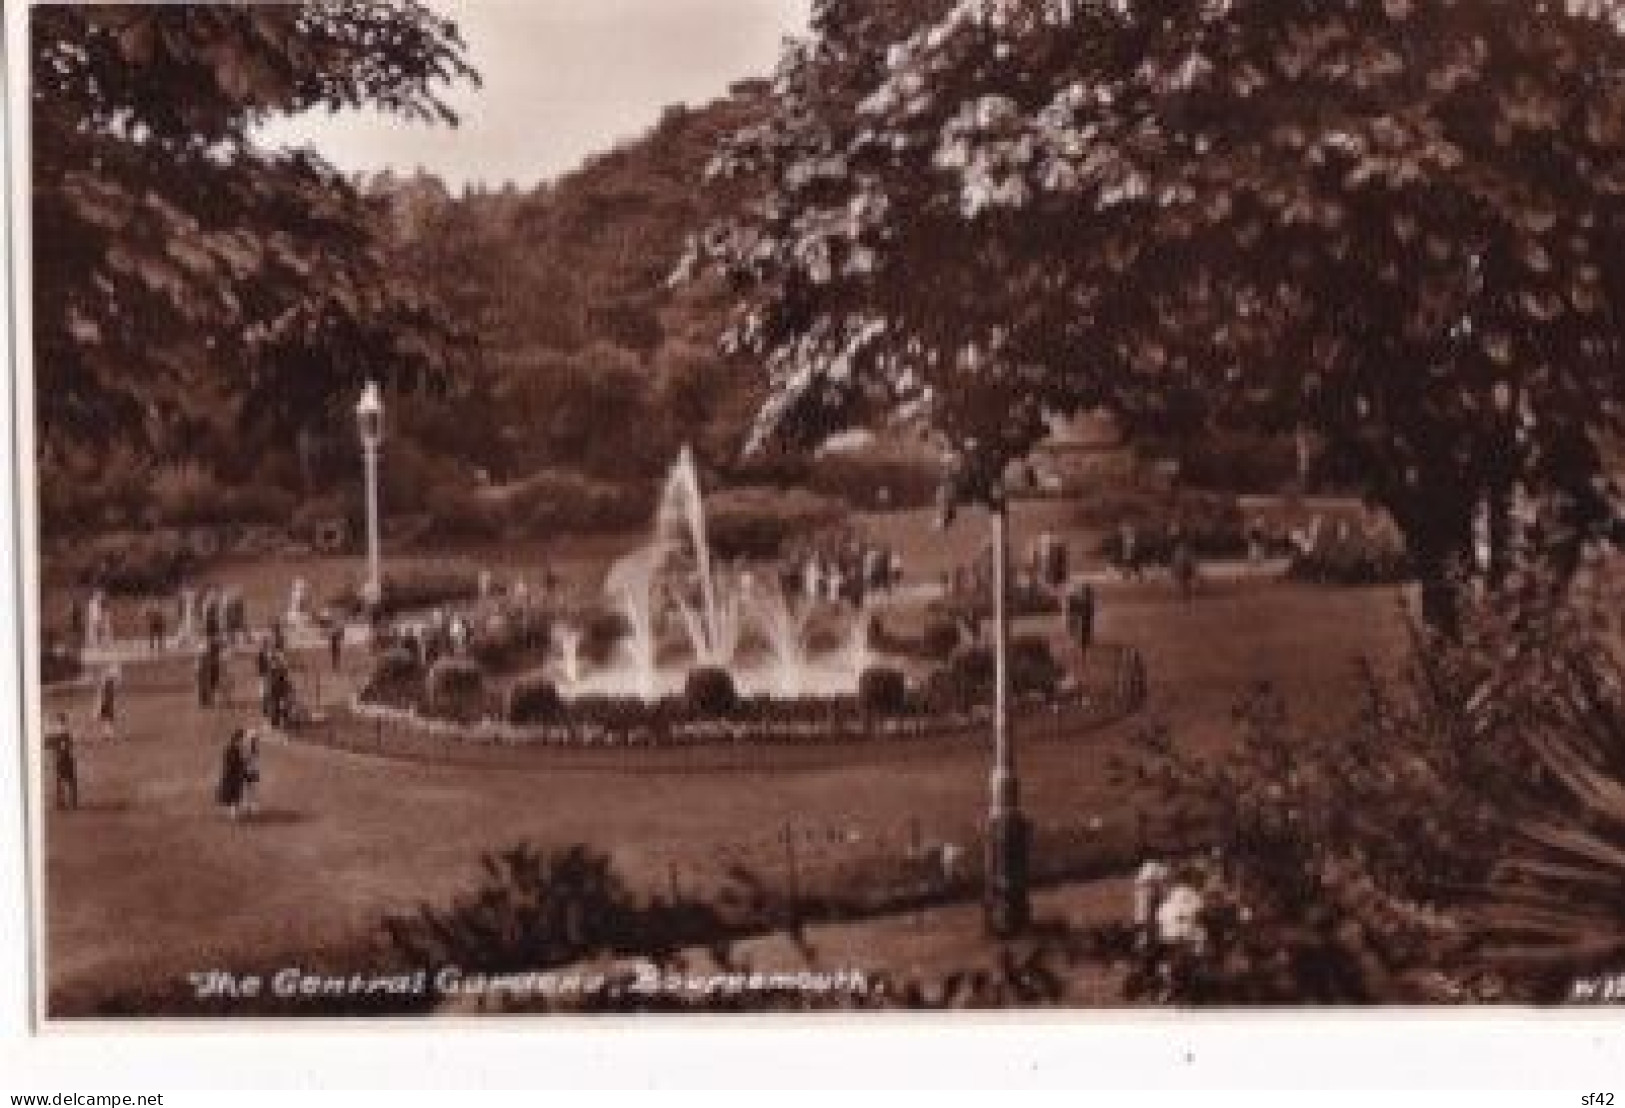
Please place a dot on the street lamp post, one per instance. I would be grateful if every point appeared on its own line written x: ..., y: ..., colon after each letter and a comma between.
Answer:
x: 369, y: 417
x: 1008, y: 910
x: 1007, y: 906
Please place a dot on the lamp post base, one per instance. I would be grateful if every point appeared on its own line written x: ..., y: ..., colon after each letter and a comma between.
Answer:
x: 1008, y: 909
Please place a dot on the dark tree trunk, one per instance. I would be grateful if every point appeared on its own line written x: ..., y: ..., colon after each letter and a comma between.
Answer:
x: 1437, y: 524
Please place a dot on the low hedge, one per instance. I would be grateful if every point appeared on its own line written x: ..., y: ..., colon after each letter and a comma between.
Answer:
x: 414, y: 590
x: 758, y: 523
x: 883, y: 690
x: 533, y: 698
x: 455, y: 689
x: 710, y: 691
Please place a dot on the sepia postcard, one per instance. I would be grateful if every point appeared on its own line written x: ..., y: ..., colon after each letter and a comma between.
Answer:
x: 787, y: 506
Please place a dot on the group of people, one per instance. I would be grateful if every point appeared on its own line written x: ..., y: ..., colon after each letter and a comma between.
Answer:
x: 845, y: 568
x: 215, y: 613
x: 1183, y: 565
x: 278, y: 699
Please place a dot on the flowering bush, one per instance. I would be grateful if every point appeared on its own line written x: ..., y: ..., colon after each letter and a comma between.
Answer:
x: 1463, y: 838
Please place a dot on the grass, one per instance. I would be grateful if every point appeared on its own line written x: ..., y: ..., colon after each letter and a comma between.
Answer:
x: 149, y: 881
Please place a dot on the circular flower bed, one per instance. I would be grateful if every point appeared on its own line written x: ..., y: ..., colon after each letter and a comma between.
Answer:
x: 531, y: 712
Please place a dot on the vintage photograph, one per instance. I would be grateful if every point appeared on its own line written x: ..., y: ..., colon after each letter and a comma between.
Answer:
x: 775, y: 506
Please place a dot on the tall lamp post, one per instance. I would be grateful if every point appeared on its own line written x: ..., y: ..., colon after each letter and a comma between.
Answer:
x: 1007, y: 907
x: 369, y: 418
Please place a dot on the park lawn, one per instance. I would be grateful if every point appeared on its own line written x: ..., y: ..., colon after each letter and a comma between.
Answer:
x: 149, y: 881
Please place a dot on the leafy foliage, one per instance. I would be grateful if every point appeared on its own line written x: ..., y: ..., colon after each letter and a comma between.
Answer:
x: 1459, y: 840
x: 1394, y: 223
x: 191, y: 271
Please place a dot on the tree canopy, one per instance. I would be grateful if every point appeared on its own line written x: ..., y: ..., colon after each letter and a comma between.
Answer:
x: 181, y: 269
x: 1394, y: 221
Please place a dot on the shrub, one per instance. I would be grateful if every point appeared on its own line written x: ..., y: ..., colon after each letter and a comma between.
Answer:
x: 261, y: 504
x: 1238, y: 461
x: 136, y: 563
x: 601, y: 630
x: 945, y: 691
x: 1211, y: 523
x: 552, y: 500
x: 533, y: 911
x: 1459, y: 839
x: 458, y: 513
x: 710, y: 691
x: 506, y: 641
x: 414, y: 590
x: 319, y: 520
x: 396, y: 680
x: 940, y: 638
x: 876, y: 479
x: 1033, y: 669
x: 1360, y: 558
x: 882, y: 691
x: 456, y: 689
x: 395, y: 664
x: 758, y: 522
x: 533, y: 698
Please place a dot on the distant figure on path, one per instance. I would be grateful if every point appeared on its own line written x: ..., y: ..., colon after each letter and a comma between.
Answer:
x: 1184, y: 568
x: 155, y: 626
x: 59, y: 741
x: 251, y: 773
x: 1080, y: 616
x: 233, y: 775
x: 214, y: 622
x: 1128, y: 550
x: 208, y: 663
x: 1055, y: 564
x: 1255, y: 541
x: 236, y: 616
x: 106, y: 713
x: 278, y: 707
x: 335, y: 642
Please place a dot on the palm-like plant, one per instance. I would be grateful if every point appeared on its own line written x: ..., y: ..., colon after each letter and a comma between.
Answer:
x: 1556, y: 905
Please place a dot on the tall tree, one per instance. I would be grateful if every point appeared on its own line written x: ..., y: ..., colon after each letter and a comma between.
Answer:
x: 180, y: 266
x: 1394, y: 221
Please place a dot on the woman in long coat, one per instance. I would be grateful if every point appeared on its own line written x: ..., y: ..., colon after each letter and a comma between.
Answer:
x: 233, y: 775
x: 106, y: 707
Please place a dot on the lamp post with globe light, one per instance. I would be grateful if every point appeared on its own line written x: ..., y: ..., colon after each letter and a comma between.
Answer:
x: 974, y: 478
x: 369, y: 417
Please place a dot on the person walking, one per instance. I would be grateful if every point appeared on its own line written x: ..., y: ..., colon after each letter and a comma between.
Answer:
x: 1129, y: 551
x: 335, y: 641
x: 1184, y: 568
x: 251, y: 773
x: 205, y: 678
x: 233, y: 775
x: 155, y: 627
x: 1080, y: 616
x: 106, y: 713
x: 236, y: 616
x: 59, y: 741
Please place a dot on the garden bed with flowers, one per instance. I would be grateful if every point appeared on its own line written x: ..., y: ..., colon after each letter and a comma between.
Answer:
x: 452, y: 702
